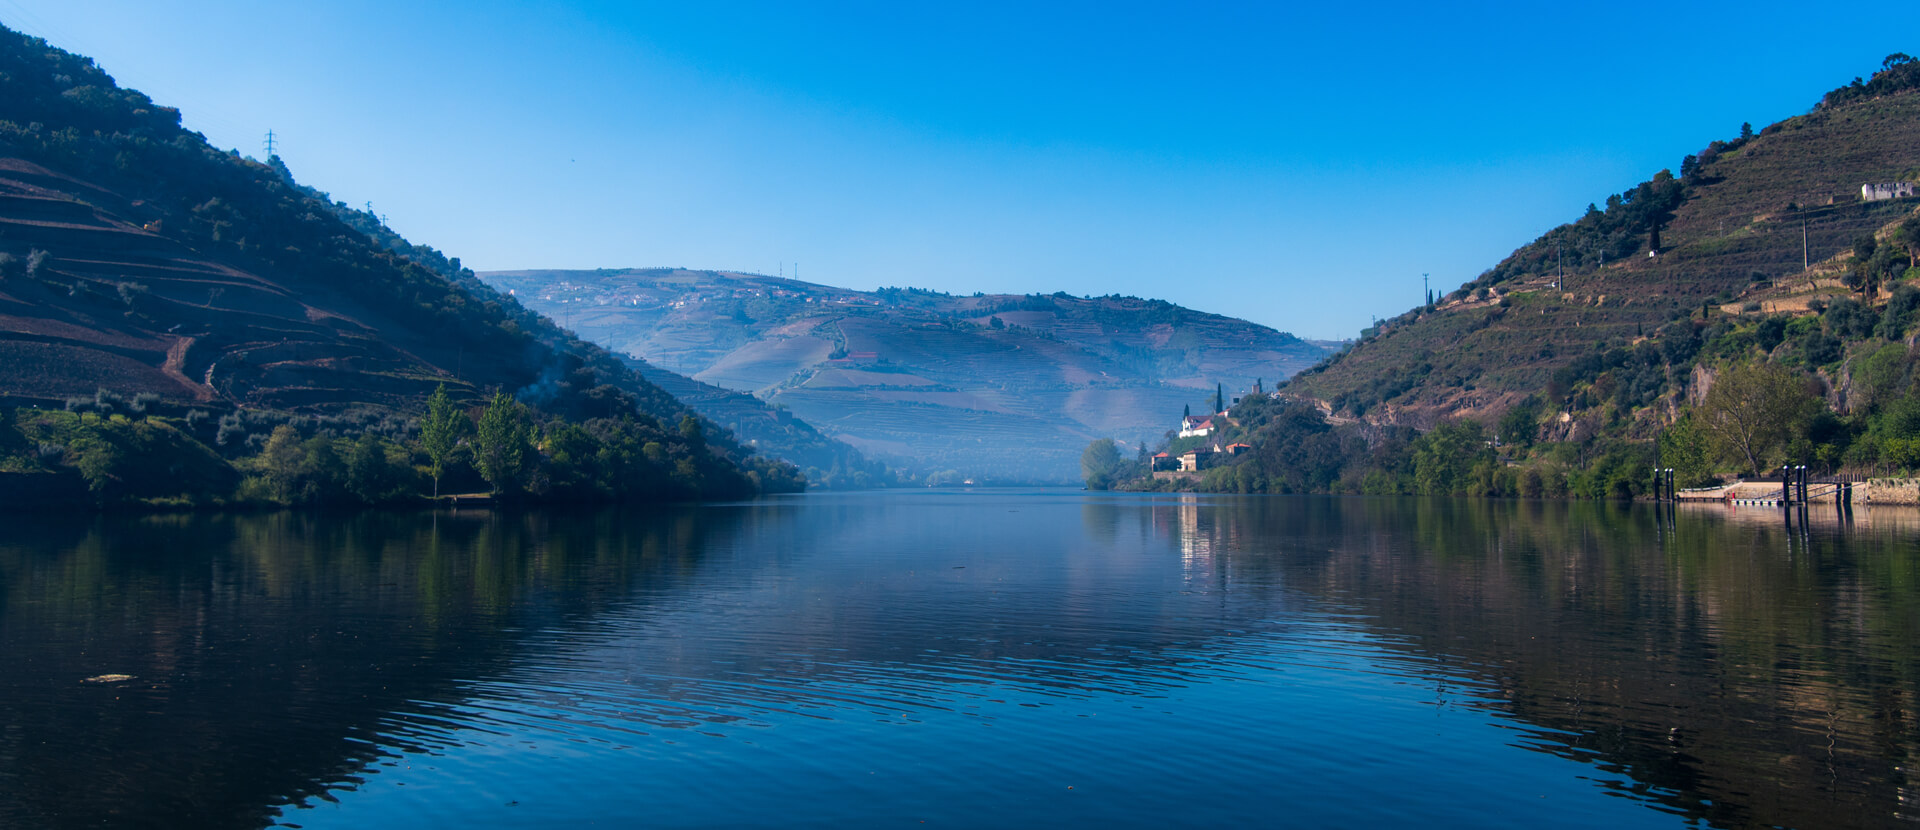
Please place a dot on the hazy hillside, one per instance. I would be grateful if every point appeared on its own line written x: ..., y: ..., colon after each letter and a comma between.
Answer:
x: 990, y: 386
x: 773, y: 431
x: 1732, y: 221
x: 136, y: 259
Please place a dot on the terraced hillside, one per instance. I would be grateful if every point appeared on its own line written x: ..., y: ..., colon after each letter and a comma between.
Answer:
x: 115, y: 301
x: 993, y: 386
x: 1745, y: 215
x: 139, y: 260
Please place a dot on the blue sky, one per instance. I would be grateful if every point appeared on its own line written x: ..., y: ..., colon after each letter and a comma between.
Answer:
x: 1299, y: 166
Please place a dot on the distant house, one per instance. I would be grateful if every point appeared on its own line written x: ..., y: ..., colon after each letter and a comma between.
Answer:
x: 1164, y: 461
x: 1236, y: 449
x: 1193, y: 461
x: 1193, y: 425
x: 1881, y: 191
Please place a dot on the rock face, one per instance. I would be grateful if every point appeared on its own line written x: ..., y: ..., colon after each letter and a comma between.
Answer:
x: 992, y: 386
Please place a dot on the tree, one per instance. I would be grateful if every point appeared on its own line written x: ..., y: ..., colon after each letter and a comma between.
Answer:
x: 440, y: 434
x: 280, y: 463
x: 1683, y: 448
x: 1752, y: 409
x: 1443, y: 457
x: 1219, y: 397
x: 1746, y: 130
x: 371, y: 476
x: 502, y: 448
x: 142, y: 404
x: 1099, y: 462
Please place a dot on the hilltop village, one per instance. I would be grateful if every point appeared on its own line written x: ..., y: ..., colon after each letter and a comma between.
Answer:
x: 1202, y: 441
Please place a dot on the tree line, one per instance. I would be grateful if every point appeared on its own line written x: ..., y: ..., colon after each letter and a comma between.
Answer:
x: 126, y: 454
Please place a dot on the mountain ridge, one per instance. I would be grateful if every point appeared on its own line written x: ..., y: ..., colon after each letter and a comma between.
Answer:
x: 987, y: 386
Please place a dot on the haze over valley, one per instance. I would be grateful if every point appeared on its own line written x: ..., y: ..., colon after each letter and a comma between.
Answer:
x: 1006, y: 387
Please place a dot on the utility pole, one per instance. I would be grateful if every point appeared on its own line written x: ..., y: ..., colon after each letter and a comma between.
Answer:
x: 269, y: 143
x: 1804, y: 263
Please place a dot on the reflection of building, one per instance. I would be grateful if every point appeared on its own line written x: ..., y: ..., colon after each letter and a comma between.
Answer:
x: 1196, y: 550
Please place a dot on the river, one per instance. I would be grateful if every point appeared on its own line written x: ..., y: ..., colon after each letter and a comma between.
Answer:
x: 964, y: 659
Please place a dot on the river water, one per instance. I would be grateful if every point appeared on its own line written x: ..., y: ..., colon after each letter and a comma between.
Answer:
x: 964, y: 659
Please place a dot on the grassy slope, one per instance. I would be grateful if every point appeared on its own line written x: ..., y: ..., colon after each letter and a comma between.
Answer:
x: 1737, y: 222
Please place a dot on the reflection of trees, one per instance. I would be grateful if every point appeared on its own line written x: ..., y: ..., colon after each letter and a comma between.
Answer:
x: 273, y: 652
x: 1706, y: 658
x: 1740, y: 671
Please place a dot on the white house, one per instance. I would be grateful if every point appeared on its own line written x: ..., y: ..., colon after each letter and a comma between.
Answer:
x: 1879, y: 191
x: 1193, y: 425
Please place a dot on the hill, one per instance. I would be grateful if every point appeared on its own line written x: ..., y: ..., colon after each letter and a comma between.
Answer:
x: 828, y: 463
x: 1758, y: 309
x: 986, y: 386
x: 138, y: 263
x: 1740, y: 217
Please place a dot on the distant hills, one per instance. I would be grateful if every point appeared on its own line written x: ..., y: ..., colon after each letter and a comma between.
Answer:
x: 986, y: 386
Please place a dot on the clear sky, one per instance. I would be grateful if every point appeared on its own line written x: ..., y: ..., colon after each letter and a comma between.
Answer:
x: 1299, y: 166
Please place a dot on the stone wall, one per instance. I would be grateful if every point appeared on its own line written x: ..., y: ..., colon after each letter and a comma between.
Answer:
x: 1891, y: 491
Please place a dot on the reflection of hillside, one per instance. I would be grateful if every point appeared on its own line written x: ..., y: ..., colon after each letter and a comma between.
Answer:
x: 272, y: 654
x: 1724, y: 667
x: 1740, y: 672
x: 279, y: 657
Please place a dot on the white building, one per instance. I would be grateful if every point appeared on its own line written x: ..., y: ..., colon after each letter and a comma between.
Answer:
x: 1879, y: 191
x: 1193, y: 425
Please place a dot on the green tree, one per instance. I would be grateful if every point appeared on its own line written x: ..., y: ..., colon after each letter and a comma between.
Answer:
x: 372, y: 477
x: 690, y: 430
x: 1752, y: 409
x: 1684, y: 448
x: 502, y: 449
x: 1879, y: 378
x: 1443, y: 458
x: 1099, y: 463
x: 280, y: 463
x: 441, y: 432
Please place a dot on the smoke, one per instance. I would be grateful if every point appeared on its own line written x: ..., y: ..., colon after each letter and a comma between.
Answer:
x: 545, y: 389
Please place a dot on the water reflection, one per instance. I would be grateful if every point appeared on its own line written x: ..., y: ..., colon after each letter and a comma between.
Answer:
x: 866, y: 657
